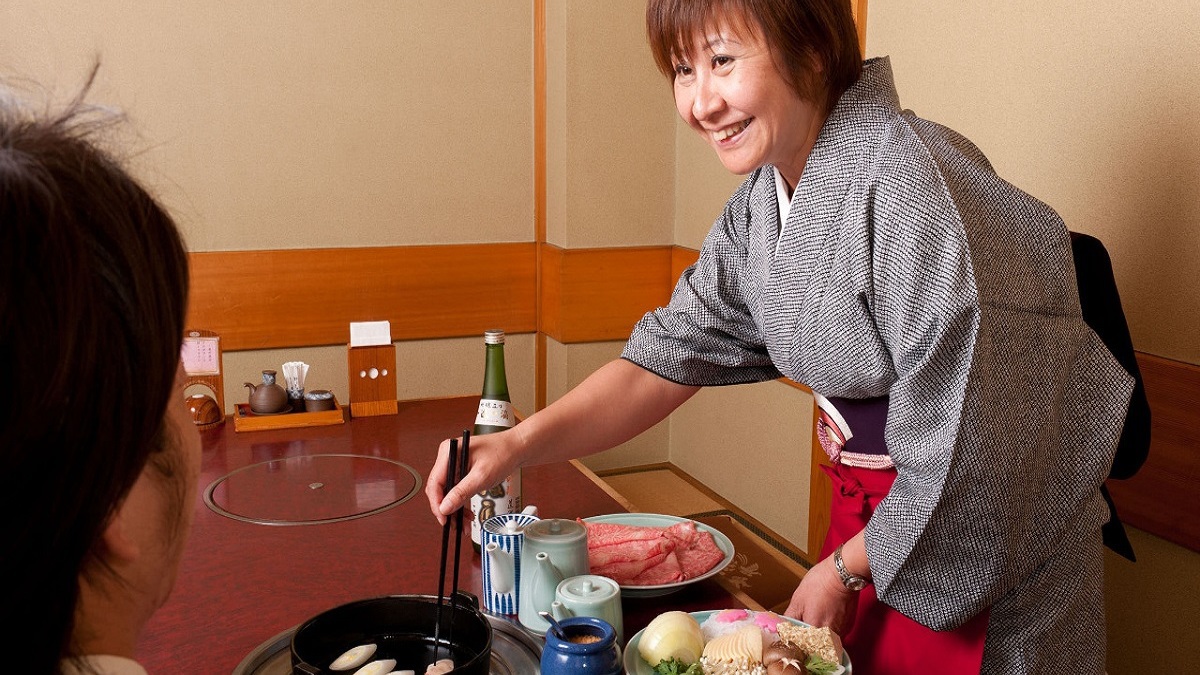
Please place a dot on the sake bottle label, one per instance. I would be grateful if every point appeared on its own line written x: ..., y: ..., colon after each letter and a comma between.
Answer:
x: 495, y: 413
x: 502, y: 498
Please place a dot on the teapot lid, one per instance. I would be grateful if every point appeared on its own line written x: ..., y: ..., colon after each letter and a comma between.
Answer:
x: 558, y: 530
x: 508, y: 523
x: 588, y: 588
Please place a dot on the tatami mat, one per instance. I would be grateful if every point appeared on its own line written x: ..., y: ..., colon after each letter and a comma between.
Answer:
x: 662, y: 491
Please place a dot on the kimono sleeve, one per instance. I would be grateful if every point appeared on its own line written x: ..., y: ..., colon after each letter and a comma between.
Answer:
x: 1006, y: 409
x: 707, y: 335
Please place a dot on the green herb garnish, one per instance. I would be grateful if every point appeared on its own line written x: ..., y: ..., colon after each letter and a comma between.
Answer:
x: 819, y: 666
x: 674, y: 666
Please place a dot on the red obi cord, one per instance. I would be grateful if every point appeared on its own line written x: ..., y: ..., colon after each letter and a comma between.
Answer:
x: 882, y: 640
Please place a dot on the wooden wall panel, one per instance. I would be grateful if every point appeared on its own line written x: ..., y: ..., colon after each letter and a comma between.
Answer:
x: 820, y: 496
x: 681, y: 259
x: 308, y: 297
x: 859, y: 8
x: 549, y: 316
x: 591, y: 295
x: 1161, y: 499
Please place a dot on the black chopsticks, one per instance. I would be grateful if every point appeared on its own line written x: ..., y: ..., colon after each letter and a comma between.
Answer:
x: 456, y: 469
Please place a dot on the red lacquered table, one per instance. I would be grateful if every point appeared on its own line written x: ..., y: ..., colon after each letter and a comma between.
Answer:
x: 272, y: 546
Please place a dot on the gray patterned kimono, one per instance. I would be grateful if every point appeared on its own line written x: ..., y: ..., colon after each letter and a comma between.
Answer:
x: 908, y: 268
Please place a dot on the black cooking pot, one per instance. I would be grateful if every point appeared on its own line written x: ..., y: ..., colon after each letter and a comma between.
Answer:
x: 402, y: 626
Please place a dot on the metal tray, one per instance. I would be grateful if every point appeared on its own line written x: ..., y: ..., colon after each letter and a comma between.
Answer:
x: 514, y: 652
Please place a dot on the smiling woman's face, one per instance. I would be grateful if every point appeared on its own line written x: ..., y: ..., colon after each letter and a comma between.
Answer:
x: 730, y: 91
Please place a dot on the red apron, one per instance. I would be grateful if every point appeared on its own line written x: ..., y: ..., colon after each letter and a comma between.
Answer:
x: 882, y: 640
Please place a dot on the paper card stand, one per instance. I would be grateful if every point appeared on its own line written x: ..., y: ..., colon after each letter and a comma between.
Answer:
x: 372, y: 374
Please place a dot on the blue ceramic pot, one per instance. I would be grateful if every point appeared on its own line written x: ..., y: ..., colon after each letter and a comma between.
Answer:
x: 587, y: 645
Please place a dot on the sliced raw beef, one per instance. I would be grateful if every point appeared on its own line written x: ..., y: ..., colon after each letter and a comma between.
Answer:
x: 627, y: 544
x: 603, y: 534
x: 695, y: 548
x: 666, y: 572
x: 643, y: 556
x: 627, y: 571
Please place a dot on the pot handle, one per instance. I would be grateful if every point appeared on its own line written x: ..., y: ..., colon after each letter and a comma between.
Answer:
x: 305, y: 668
x: 465, y: 599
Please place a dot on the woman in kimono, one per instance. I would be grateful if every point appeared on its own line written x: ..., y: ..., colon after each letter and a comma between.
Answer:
x: 970, y: 414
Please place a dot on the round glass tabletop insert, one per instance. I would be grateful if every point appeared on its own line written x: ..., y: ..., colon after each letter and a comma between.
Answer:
x: 312, y: 489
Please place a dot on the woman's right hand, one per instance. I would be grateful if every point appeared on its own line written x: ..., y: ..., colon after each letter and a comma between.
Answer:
x: 492, y: 457
x: 611, y: 406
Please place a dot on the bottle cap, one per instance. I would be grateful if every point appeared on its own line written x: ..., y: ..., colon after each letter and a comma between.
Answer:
x: 493, y: 337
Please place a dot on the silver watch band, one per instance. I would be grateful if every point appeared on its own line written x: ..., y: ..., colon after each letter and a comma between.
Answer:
x: 849, y: 580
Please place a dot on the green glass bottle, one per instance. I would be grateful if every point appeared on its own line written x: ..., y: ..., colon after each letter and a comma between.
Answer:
x: 495, y: 414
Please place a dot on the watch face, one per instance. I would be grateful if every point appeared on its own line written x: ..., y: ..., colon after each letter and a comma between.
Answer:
x: 856, y: 583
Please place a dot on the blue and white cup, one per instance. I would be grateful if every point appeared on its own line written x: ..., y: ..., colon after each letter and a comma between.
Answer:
x: 501, y: 539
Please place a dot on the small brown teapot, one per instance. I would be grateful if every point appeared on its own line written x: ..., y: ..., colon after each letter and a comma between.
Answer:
x: 268, y: 397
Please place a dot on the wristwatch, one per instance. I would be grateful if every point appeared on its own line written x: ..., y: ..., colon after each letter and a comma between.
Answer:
x: 851, y: 581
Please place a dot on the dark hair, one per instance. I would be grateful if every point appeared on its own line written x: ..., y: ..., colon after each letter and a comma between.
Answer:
x: 93, y: 294
x: 814, y: 42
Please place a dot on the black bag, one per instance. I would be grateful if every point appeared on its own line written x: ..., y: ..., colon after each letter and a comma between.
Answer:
x: 1101, y: 305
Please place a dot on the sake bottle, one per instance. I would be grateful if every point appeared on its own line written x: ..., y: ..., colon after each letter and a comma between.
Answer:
x: 495, y: 414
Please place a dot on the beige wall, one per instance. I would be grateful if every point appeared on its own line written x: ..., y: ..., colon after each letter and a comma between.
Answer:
x: 752, y: 444
x: 1092, y: 108
x: 569, y: 365
x: 312, y: 123
x: 608, y: 154
x: 309, y: 123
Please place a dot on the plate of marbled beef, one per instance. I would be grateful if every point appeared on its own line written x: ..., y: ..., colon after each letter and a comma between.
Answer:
x: 650, y: 554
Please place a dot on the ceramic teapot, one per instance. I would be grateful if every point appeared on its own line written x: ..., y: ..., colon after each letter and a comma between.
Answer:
x: 268, y: 397
x: 503, y: 537
x: 589, y: 595
x: 554, y: 549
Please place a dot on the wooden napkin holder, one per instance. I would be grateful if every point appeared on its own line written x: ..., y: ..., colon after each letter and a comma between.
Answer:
x: 372, y: 375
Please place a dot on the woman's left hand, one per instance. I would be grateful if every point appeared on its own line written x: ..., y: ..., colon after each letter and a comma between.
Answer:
x: 822, y: 600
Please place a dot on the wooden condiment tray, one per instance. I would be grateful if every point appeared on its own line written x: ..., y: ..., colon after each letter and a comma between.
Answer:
x: 245, y: 419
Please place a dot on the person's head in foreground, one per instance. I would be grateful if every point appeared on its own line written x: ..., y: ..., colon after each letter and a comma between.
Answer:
x: 100, y: 455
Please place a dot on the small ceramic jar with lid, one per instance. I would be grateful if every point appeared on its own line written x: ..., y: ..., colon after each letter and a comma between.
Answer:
x: 586, y: 645
x: 318, y: 399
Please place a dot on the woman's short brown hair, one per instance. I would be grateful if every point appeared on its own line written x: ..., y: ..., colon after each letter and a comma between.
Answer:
x: 814, y: 42
x: 93, y: 298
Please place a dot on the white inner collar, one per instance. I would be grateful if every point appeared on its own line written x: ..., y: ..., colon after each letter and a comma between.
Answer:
x: 781, y: 192
x: 785, y: 203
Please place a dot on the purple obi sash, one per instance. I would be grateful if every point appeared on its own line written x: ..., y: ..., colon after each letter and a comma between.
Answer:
x: 851, y: 430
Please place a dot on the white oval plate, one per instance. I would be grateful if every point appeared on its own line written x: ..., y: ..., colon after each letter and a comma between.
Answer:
x: 634, y: 665
x: 663, y: 521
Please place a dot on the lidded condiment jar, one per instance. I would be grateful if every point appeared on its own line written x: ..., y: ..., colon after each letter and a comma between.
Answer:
x: 586, y: 645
